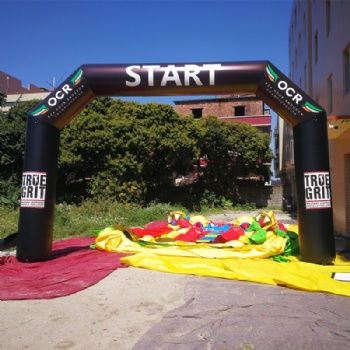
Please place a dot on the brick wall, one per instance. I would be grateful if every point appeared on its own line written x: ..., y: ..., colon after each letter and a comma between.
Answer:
x: 221, y: 107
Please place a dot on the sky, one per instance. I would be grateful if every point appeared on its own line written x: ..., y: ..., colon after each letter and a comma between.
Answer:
x: 43, y: 42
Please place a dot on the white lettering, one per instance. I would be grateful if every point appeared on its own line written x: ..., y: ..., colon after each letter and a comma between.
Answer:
x: 59, y: 95
x: 191, y: 71
x: 131, y: 73
x: 290, y: 92
x: 297, y: 98
x: 212, y: 68
x: 151, y: 74
x: 66, y: 88
x: 282, y: 85
x: 170, y: 74
x: 52, y: 101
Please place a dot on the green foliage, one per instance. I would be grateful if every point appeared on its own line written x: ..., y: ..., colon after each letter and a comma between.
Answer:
x: 131, y: 153
x: 9, y: 193
x: 12, y: 140
x: 232, y: 150
x: 126, y: 149
x: 245, y: 206
x: 8, y: 220
x: 104, y: 186
x: 3, y: 99
x: 209, y: 200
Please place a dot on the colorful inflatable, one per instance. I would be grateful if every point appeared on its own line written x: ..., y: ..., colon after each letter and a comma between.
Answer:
x: 256, y: 249
x: 257, y: 237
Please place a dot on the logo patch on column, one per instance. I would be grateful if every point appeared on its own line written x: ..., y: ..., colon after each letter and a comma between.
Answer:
x: 33, y: 190
x: 317, y: 190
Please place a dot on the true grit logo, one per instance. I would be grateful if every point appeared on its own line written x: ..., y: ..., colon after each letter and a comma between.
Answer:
x: 33, y: 190
x: 317, y: 190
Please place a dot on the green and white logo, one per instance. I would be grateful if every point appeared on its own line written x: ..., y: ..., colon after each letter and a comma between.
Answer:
x: 77, y: 77
x: 290, y: 92
x: 311, y: 108
x: 273, y: 76
x: 60, y: 94
x: 40, y: 111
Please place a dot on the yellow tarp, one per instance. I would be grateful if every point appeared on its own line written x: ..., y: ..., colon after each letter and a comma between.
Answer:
x: 232, y: 260
x: 294, y: 274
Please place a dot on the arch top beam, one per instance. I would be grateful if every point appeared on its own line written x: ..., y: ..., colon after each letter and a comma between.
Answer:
x: 261, y: 78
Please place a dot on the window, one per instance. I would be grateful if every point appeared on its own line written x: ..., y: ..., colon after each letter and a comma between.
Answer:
x: 305, y: 77
x: 304, y: 25
x: 330, y: 94
x: 197, y: 112
x: 328, y: 16
x: 239, y: 111
x: 316, y: 46
x: 346, y: 70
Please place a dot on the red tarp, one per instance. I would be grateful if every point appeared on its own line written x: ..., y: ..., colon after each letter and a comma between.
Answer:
x: 72, y: 267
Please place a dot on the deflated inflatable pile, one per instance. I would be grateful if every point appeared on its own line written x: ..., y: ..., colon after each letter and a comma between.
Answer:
x: 257, y: 249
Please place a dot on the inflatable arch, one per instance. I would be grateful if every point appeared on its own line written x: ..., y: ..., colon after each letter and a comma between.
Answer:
x: 262, y: 78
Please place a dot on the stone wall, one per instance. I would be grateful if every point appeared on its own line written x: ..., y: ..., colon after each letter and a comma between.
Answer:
x: 262, y: 196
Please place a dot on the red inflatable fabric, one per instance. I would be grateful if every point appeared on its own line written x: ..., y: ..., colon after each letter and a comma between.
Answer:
x: 72, y: 267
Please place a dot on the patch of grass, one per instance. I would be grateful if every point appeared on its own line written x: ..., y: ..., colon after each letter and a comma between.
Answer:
x: 8, y: 221
x: 83, y: 220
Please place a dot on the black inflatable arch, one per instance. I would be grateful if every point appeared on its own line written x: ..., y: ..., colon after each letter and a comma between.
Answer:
x: 308, y: 119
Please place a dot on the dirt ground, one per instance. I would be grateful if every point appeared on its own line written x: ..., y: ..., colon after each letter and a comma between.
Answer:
x: 139, y: 309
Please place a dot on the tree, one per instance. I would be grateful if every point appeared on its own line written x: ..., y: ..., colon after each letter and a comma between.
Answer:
x: 12, y: 140
x: 127, y: 150
x: 132, y: 152
x: 232, y: 150
x: 3, y: 99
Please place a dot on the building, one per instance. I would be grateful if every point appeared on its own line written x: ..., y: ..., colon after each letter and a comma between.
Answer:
x: 245, y: 109
x: 10, y: 84
x: 242, y: 108
x: 16, y: 93
x: 319, y: 62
